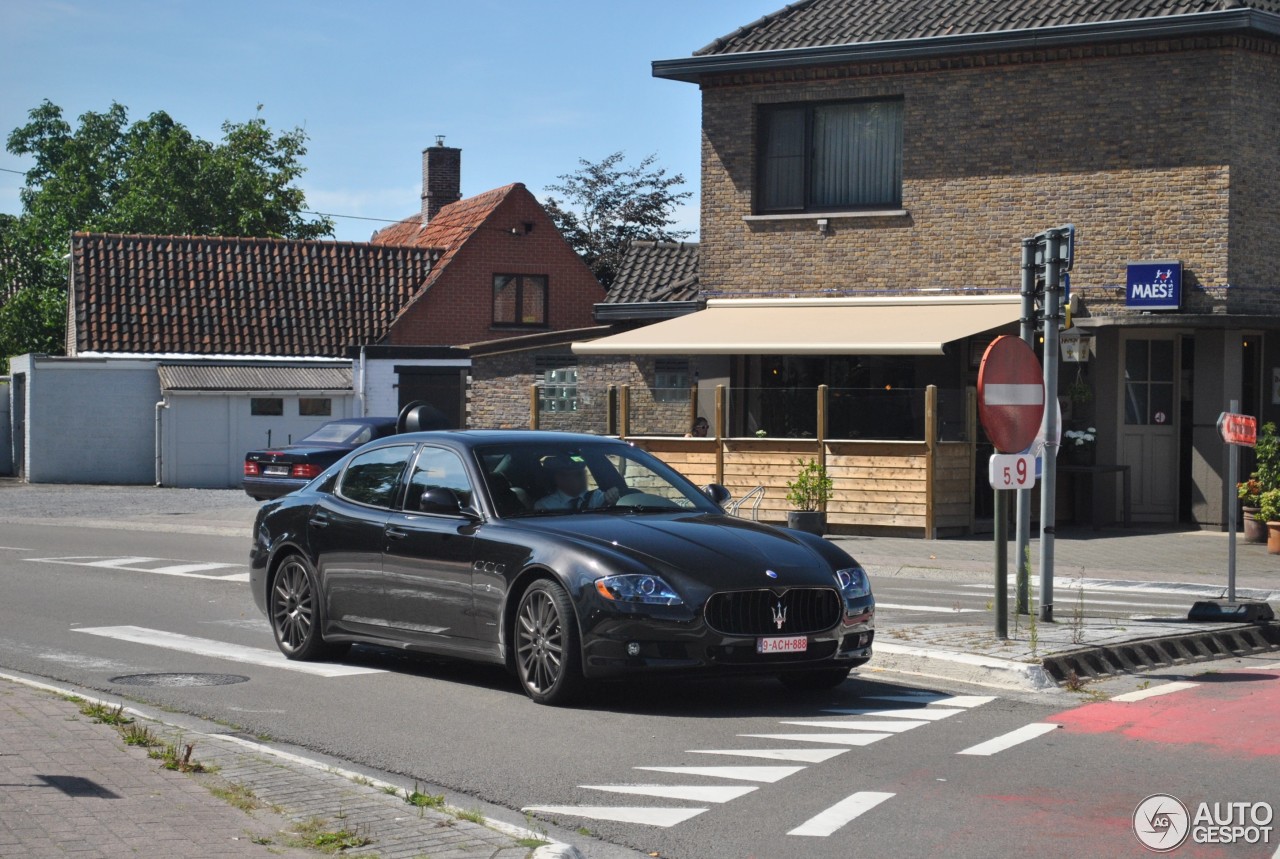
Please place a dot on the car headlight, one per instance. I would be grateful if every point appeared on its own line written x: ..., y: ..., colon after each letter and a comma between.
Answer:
x: 649, y: 590
x: 854, y: 582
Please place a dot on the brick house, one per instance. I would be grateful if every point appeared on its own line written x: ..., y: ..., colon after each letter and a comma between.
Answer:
x: 864, y: 154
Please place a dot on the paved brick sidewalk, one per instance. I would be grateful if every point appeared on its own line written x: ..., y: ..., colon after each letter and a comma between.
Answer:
x: 71, y: 787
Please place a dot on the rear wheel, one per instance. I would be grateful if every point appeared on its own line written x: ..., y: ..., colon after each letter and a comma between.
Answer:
x: 295, y: 613
x: 548, y: 652
x: 814, y: 681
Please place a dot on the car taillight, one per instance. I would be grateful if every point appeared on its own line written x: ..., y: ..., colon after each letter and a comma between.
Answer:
x: 305, y: 470
x: 250, y: 469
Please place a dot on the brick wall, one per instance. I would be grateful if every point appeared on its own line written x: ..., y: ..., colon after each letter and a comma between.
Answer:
x: 1141, y: 146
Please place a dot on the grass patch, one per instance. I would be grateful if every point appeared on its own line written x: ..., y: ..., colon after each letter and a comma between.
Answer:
x: 177, y: 756
x: 315, y: 834
x: 473, y: 816
x: 532, y: 843
x: 106, y: 715
x: 237, y: 795
x: 139, y: 735
x: 418, y: 799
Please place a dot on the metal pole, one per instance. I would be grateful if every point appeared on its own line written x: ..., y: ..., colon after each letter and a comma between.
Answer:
x: 1233, y: 476
x: 1002, y: 564
x: 1052, y: 293
x: 1027, y: 331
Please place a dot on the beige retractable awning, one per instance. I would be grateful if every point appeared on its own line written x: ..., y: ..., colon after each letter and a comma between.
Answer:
x: 815, y: 326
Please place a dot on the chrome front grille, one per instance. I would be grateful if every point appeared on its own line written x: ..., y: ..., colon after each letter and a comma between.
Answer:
x: 797, y: 611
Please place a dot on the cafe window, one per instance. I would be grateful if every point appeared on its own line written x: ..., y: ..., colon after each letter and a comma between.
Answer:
x: 671, y: 380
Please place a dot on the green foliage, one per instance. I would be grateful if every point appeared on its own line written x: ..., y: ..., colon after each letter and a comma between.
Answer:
x: 1269, y: 506
x: 607, y: 206
x: 1248, y: 492
x: 1267, y: 455
x: 812, y: 487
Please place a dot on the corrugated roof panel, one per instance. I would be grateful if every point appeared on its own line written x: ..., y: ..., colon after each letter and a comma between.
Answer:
x: 198, y: 377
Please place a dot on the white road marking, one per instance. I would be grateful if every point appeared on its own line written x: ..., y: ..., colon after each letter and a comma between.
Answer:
x: 1011, y: 739
x: 663, y: 817
x: 848, y: 738
x: 764, y: 774
x: 1275, y: 666
x: 696, y: 793
x: 892, y: 726
x: 133, y: 564
x: 1153, y: 691
x: 929, y: 714
x: 13, y: 549
x: 223, y: 650
x: 812, y: 756
x: 966, y: 701
x: 932, y: 608
x: 831, y: 820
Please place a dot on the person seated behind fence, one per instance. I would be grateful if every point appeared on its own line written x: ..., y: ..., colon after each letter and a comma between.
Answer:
x: 569, y: 474
x: 700, y: 429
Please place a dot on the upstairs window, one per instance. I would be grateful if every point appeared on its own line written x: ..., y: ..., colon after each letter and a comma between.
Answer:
x: 520, y: 299
x: 830, y: 156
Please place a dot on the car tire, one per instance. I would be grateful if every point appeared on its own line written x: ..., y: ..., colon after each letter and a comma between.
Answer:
x: 548, y: 652
x: 294, y: 608
x: 814, y: 681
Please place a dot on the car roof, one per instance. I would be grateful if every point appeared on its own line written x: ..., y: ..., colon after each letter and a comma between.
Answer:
x: 475, y: 438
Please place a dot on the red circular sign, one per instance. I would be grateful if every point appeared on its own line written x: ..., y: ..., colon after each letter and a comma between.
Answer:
x: 1010, y: 394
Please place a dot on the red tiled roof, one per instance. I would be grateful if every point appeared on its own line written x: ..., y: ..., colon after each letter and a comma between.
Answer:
x: 236, y: 296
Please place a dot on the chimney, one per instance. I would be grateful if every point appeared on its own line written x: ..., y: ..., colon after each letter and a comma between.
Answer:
x: 441, y: 178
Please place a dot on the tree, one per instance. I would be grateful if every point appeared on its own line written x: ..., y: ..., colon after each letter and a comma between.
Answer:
x: 608, y: 205
x: 151, y: 177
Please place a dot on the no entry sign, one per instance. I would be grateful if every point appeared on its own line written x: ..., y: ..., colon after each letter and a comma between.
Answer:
x: 1010, y: 394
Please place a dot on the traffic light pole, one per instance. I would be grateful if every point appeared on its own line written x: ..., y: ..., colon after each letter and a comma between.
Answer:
x: 1027, y: 331
x: 1053, y: 265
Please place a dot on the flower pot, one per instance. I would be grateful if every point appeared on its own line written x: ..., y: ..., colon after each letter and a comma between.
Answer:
x: 1255, y: 530
x: 1079, y: 454
x: 813, y: 521
x: 1273, y: 538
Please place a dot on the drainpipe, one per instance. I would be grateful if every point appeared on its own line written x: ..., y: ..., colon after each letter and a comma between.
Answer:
x: 163, y: 404
x: 360, y: 400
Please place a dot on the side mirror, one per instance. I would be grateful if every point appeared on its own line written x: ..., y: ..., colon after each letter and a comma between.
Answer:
x: 444, y: 502
x: 717, y: 493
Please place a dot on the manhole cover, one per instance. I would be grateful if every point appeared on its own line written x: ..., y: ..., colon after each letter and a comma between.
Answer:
x: 179, y: 679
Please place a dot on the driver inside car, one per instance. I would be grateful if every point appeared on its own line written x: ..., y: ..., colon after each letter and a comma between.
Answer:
x: 569, y: 473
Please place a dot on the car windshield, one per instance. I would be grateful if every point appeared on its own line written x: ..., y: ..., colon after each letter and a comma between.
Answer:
x: 341, y: 432
x: 557, y: 479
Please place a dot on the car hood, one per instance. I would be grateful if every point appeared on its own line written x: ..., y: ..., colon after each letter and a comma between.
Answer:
x: 719, y: 551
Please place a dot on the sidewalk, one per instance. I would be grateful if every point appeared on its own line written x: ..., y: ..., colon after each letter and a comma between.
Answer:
x: 70, y: 786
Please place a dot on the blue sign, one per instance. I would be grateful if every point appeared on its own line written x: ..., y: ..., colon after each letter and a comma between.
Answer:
x: 1154, y: 285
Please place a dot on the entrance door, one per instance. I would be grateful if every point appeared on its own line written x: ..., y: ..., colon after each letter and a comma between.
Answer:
x: 441, y: 387
x: 1149, y: 433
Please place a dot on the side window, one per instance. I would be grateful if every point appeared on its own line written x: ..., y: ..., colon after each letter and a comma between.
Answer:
x: 438, y: 468
x: 372, y: 478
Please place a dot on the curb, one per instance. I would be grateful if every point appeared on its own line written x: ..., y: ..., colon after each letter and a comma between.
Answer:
x: 965, y: 667
x: 1126, y: 658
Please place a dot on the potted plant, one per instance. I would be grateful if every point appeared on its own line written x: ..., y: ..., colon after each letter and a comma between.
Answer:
x: 1269, y: 511
x: 808, y: 494
x: 1255, y: 527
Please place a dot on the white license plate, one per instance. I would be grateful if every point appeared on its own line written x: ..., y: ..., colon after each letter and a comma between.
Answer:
x: 788, y: 644
x: 276, y: 471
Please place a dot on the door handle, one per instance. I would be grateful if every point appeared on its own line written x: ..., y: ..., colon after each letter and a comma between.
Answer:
x: 319, y: 521
x: 396, y: 534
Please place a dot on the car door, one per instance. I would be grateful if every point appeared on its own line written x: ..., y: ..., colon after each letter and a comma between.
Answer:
x: 348, y: 534
x: 427, y: 562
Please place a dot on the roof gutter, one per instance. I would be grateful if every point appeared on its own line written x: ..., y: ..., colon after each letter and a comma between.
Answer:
x: 619, y: 310
x: 1231, y: 21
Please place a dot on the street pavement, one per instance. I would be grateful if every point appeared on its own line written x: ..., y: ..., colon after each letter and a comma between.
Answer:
x: 69, y: 786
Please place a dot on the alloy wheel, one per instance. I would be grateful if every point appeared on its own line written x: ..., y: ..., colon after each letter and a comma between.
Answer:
x: 293, y: 606
x: 540, y: 641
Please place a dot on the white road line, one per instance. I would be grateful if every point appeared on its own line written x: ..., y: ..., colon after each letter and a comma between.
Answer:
x: 929, y: 714
x: 892, y: 726
x: 1140, y: 694
x: 811, y: 756
x: 189, y: 571
x: 841, y: 813
x: 1011, y: 739
x: 663, y: 817
x: 13, y: 549
x: 966, y: 701
x: 223, y: 650
x: 696, y: 793
x: 932, y: 608
x: 763, y: 774
x: 848, y: 738
x: 1275, y: 666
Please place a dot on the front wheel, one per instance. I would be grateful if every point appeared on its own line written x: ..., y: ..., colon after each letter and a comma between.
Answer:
x: 296, y: 615
x: 548, y: 652
x: 814, y: 681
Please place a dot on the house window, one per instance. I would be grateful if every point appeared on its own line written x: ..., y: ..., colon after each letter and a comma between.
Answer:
x: 266, y: 406
x: 315, y: 407
x: 671, y: 380
x: 558, y: 378
x: 830, y: 156
x: 520, y: 299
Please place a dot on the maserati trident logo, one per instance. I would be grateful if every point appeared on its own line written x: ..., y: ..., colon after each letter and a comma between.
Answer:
x: 779, y: 614
x: 771, y: 574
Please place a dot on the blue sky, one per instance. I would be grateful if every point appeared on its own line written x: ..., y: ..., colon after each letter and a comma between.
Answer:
x: 523, y: 88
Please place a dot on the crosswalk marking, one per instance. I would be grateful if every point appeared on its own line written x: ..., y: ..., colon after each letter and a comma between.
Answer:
x: 664, y: 817
x: 829, y: 821
x: 223, y: 650
x: 848, y: 738
x: 168, y: 567
x: 1140, y: 694
x: 764, y: 774
x: 892, y: 726
x: 812, y: 756
x: 697, y: 793
x: 1011, y: 739
x: 929, y: 714
x: 931, y: 608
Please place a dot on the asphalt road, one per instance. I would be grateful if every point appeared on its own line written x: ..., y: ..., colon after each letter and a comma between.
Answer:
x: 108, y: 607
